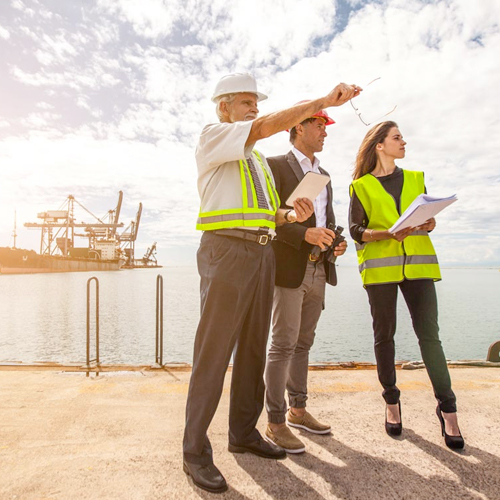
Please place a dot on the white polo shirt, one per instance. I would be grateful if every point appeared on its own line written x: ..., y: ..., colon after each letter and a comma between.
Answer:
x: 220, y: 148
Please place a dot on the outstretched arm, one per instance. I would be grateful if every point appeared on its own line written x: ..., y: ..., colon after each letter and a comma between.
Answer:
x: 273, y: 123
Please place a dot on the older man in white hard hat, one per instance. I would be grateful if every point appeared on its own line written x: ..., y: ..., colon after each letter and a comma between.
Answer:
x: 239, y: 212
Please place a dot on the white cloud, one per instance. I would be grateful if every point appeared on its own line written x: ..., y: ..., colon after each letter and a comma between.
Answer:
x: 4, y: 33
x: 115, y: 95
x: 40, y: 120
x: 150, y: 18
x: 19, y: 5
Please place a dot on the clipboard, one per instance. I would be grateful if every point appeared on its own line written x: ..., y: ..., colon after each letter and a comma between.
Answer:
x: 309, y: 187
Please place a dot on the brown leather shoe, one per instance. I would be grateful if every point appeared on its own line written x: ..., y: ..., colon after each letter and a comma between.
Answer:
x: 206, y: 477
x: 260, y: 448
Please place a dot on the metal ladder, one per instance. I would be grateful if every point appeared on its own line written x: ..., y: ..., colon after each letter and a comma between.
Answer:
x: 159, y: 326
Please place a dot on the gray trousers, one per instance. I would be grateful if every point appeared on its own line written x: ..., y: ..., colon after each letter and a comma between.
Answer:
x: 296, y: 312
x: 236, y: 288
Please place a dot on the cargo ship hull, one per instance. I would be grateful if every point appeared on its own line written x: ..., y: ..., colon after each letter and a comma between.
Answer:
x: 18, y: 261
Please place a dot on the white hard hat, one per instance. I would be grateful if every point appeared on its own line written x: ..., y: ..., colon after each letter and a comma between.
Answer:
x: 237, y: 82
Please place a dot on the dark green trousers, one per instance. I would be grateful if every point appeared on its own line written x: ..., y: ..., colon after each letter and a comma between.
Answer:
x: 420, y: 297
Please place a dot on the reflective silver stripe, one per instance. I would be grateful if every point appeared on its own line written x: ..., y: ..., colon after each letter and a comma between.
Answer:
x: 384, y: 262
x: 239, y: 216
x: 398, y: 261
x: 359, y: 246
x: 273, y: 194
x: 421, y: 259
x: 248, y: 184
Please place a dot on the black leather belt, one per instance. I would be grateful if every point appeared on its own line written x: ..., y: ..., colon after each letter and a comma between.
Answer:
x: 260, y: 238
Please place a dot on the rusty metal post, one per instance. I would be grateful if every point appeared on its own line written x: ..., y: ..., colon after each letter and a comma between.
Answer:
x: 159, y: 321
x: 96, y: 359
x: 494, y: 352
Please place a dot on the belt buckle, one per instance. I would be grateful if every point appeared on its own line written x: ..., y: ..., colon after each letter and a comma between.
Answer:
x: 313, y: 258
x: 263, y: 239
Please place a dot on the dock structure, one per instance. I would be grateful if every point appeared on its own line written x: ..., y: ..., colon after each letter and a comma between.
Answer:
x: 106, y: 249
x: 119, y: 436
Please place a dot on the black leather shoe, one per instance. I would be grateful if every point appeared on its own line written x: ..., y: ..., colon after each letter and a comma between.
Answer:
x: 206, y: 477
x: 453, y: 442
x: 260, y: 448
x: 394, y: 429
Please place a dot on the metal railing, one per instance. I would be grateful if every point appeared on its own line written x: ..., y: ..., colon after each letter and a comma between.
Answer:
x: 159, y: 326
x: 492, y: 356
x: 159, y: 322
x: 96, y: 359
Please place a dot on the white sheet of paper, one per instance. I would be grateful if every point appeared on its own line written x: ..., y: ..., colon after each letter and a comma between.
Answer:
x: 423, y: 208
x: 309, y: 187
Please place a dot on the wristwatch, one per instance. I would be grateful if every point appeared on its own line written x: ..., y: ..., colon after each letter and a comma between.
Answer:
x: 286, y: 217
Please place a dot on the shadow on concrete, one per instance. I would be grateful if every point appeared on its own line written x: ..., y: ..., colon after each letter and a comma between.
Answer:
x: 362, y: 476
x: 230, y: 494
x: 277, y: 480
x: 481, y: 475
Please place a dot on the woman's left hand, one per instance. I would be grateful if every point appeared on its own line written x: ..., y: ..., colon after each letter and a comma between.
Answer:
x: 428, y: 225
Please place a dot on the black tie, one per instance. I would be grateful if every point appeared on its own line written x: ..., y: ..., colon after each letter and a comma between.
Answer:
x: 261, y: 197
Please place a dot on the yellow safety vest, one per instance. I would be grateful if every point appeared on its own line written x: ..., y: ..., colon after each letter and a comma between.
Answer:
x: 248, y: 214
x: 391, y: 261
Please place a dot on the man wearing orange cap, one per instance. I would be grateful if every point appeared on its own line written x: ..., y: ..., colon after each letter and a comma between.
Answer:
x: 301, y: 274
x: 239, y: 212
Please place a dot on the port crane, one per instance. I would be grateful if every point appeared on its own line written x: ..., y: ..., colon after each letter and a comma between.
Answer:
x: 59, y: 228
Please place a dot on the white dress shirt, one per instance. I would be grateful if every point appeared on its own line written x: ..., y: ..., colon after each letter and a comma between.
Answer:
x: 321, y: 202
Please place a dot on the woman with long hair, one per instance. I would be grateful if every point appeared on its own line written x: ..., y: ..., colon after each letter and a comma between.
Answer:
x: 405, y: 260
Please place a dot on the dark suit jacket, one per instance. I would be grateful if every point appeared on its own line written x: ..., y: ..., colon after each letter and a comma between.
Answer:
x: 290, y: 247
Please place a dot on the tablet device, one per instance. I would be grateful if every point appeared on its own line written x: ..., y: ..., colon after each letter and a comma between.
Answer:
x: 309, y: 187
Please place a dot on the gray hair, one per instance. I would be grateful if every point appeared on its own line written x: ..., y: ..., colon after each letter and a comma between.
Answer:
x: 229, y: 98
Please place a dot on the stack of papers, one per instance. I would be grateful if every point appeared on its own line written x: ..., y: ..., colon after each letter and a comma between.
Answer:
x: 423, y: 208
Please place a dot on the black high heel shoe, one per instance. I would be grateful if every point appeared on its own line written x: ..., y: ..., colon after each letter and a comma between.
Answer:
x: 453, y: 442
x: 394, y: 429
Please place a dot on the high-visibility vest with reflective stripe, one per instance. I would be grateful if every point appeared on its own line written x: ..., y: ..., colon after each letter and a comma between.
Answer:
x: 391, y: 261
x: 248, y: 214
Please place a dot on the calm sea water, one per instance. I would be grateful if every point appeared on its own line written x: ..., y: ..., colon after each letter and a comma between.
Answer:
x: 43, y: 317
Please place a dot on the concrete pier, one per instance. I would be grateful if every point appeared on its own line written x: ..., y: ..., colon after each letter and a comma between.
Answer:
x: 118, y: 436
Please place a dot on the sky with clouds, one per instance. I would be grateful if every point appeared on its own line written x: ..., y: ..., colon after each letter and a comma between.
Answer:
x: 106, y: 95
